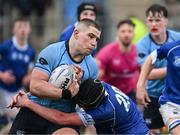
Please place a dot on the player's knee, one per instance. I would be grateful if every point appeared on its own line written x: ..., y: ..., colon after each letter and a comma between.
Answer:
x: 176, y: 130
x: 65, y: 131
x: 174, y: 125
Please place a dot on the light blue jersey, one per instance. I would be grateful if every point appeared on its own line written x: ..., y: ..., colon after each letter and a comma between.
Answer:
x: 55, y: 55
x: 144, y: 47
x: 170, y: 51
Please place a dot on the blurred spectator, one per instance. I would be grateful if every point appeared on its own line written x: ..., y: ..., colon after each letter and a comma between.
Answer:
x: 118, y: 60
x: 170, y: 98
x: 157, y: 21
x: 16, y: 63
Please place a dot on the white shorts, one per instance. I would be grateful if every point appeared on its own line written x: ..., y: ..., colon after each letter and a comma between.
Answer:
x: 5, y: 100
x: 168, y: 111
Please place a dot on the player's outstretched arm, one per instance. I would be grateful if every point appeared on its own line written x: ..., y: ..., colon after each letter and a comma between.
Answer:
x: 158, y: 73
x: 52, y: 115
x: 141, y: 93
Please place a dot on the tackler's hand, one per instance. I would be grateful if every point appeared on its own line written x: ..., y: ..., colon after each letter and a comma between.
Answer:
x: 19, y: 100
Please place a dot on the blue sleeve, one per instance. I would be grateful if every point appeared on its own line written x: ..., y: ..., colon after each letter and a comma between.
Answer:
x: 66, y: 34
x: 47, y: 59
x: 5, y: 47
x: 33, y: 55
x: 101, y: 114
x: 142, y: 50
x: 163, y: 51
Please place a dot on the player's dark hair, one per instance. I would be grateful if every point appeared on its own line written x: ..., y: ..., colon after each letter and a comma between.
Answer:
x: 126, y: 21
x: 156, y: 8
x: 23, y: 19
x: 91, y: 94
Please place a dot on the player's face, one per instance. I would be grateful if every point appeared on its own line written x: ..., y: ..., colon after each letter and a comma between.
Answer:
x: 157, y: 23
x: 88, y: 40
x: 22, y: 29
x: 88, y: 14
x: 125, y: 34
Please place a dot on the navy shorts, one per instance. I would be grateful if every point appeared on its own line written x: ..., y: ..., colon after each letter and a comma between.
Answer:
x: 152, y: 115
x: 28, y: 122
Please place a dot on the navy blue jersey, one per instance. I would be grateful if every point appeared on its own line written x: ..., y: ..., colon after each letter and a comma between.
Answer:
x: 58, y: 54
x: 66, y: 34
x: 116, y: 115
x: 15, y: 58
x: 170, y: 51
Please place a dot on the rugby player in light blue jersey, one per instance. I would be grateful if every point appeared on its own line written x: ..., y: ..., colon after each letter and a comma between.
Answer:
x: 107, y: 107
x: 157, y: 21
x: 85, y: 11
x: 170, y: 98
x: 77, y: 50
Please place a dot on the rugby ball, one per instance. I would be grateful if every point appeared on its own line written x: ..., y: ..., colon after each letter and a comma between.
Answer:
x: 62, y: 76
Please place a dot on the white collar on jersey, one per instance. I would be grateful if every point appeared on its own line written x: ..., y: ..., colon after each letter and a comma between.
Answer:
x: 19, y: 47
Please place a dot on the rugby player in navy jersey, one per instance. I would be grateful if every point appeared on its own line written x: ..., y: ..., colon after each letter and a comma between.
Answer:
x: 16, y: 63
x: 84, y: 11
x: 105, y: 106
x: 157, y: 22
x: 170, y: 98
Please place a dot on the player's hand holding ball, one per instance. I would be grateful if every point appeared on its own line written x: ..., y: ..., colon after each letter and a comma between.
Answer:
x: 74, y: 87
x: 66, y: 77
x: 79, y: 73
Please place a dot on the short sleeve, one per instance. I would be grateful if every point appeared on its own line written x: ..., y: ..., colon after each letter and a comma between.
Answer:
x: 46, y: 60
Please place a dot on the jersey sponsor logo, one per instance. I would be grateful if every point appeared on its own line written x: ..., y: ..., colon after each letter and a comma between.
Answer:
x: 26, y: 58
x: 65, y: 83
x: 177, y: 61
x: 20, y: 132
x: 19, y: 56
x: 141, y: 55
x: 116, y: 61
x: 43, y: 61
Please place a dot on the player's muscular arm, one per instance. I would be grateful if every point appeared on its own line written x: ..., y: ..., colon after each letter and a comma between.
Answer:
x: 55, y: 116
x: 156, y: 74
x: 40, y: 87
